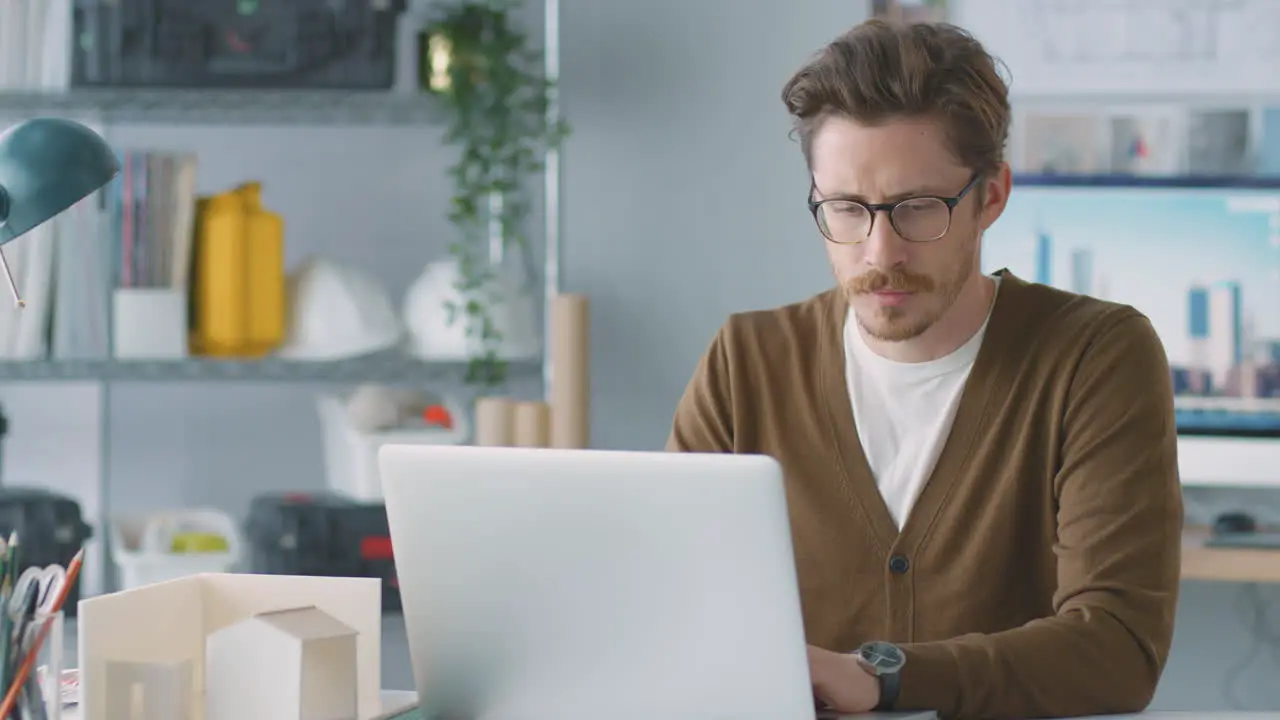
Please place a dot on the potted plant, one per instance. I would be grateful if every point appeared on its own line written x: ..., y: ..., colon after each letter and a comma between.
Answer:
x: 477, y: 61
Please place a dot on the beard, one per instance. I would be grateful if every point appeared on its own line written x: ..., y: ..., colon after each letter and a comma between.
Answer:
x: 932, y: 298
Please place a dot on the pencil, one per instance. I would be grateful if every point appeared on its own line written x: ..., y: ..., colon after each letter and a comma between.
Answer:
x: 7, y: 648
x: 11, y: 561
x: 4, y: 556
x: 8, y: 652
x: 73, y: 572
x: 24, y: 671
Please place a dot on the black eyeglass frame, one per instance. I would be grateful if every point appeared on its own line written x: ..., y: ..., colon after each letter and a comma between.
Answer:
x: 887, y: 208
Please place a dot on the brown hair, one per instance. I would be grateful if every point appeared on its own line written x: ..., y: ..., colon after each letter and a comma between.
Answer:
x: 880, y: 71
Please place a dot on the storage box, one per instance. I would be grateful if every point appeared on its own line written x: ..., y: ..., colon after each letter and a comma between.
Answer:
x: 141, y: 546
x: 351, y: 456
x: 322, y: 534
x: 312, y: 44
x: 50, y: 530
x: 149, y: 323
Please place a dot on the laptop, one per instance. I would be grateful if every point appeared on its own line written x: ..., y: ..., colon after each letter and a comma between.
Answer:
x: 582, y: 583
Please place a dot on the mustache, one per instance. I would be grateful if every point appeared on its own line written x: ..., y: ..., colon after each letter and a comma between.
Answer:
x: 897, y: 280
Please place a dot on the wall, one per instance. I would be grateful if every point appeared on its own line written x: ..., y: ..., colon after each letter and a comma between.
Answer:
x: 680, y: 151
x: 684, y: 202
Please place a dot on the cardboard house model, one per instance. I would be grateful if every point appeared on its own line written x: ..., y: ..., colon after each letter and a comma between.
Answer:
x: 146, y: 652
x: 295, y: 664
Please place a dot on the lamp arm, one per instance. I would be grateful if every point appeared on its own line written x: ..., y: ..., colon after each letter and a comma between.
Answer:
x: 4, y: 264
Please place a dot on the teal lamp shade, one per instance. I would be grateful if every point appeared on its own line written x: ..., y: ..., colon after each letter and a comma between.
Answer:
x: 46, y: 166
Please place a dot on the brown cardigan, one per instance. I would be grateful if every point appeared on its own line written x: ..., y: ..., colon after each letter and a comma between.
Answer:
x: 1038, y: 573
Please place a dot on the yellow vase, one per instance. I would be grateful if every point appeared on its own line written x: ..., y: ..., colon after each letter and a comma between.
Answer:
x: 239, y: 287
x: 264, y: 273
x: 220, y: 297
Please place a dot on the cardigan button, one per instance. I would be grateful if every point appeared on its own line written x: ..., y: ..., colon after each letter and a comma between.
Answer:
x: 898, y: 564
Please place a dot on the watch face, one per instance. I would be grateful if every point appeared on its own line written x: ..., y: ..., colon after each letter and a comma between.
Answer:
x: 884, y: 657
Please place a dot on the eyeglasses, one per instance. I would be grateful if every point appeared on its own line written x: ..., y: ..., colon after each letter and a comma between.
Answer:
x: 915, y: 219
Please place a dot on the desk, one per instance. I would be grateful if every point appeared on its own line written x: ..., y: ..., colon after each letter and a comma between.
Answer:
x: 1153, y: 715
x: 392, y: 700
x: 1226, y: 564
x: 397, y: 699
x: 408, y: 697
x: 1189, y: 715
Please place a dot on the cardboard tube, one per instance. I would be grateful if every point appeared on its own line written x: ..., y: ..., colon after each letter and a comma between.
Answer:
x: 570, y: 371
x: 495, y: 421
x: 532, y: 424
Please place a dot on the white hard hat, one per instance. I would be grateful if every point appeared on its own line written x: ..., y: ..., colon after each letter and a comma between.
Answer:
x: 433, y: 337
x: 337, y: 311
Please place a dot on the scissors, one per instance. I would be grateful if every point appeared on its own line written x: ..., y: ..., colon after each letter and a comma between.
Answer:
x: 39, y: 587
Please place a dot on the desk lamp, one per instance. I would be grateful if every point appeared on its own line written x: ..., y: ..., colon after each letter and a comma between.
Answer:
x: 46, y: 166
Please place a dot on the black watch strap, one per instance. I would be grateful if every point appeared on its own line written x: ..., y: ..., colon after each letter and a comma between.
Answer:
x: 889, y: 684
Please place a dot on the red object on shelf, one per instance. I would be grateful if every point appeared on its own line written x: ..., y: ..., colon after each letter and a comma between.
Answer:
x: 438, y: 415
x: 376, y: 548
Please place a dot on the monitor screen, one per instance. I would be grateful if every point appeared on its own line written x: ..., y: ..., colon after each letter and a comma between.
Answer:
x: 1200, y: 258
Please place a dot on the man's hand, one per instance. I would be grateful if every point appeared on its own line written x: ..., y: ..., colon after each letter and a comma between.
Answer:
x: 841, y: 682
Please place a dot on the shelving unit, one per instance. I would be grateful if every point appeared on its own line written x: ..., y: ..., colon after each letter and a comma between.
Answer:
x: 268, y: 107
x: 225, y: 107
x: 388, y: 367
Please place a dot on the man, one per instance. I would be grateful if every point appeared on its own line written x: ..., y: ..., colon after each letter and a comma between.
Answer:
x: 981, y: 472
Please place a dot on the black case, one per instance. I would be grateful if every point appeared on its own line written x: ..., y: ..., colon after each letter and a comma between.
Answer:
x: 325, y: 535
x: 305, y: 44
x: 50, y: 530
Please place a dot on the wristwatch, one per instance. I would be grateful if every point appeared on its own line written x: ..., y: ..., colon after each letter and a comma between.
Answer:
x: 884, y: 660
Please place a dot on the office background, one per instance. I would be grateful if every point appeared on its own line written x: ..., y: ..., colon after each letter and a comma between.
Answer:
x: 683, y: 202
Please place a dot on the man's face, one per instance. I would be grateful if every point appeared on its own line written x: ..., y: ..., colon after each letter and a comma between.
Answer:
x: 899, y: 289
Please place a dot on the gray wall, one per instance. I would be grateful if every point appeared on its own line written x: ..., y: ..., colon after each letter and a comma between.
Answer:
x: 683, y: 202
x: 684, y: 199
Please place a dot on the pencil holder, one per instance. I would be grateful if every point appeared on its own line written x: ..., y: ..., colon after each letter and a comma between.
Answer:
x: 40, y: 651
x: 149, y: 323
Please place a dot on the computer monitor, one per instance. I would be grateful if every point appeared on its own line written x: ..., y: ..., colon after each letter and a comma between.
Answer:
x: 1199, y: 257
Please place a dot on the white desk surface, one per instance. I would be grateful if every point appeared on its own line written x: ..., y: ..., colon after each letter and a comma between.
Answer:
x: 402, y: 699
x: 1189, y: 714
x: 398, y: 700
x: 392, y: 700
x: 1150, y: 715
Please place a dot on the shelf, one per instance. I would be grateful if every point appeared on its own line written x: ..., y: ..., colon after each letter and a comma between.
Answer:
x: 1241, y: 565
x: 225, y: 107
x: 384, y: 367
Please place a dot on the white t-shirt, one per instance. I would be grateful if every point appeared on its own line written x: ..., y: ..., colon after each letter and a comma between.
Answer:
x: 904, y: 412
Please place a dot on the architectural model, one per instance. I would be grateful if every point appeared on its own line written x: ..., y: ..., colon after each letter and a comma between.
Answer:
x: 148, y: 690
x: 296, y: 664
x: 294, y: 648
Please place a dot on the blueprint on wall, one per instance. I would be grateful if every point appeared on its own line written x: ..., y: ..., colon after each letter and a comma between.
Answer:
x: 1097, y: 47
